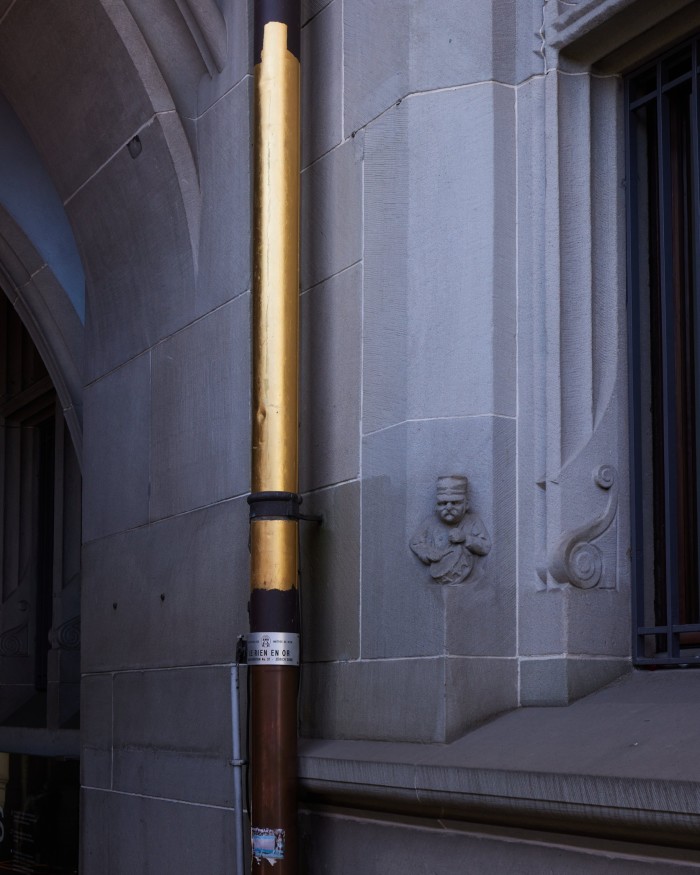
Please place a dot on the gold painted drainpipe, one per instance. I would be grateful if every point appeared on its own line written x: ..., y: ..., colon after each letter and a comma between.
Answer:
x: 273, y: 643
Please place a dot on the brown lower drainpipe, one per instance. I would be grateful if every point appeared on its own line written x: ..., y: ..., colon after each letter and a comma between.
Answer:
x: 273, y: 643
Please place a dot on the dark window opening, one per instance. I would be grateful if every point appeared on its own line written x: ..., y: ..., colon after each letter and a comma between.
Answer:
x: 664, y: 318
x: 40, y: 516
x: 39, y: 815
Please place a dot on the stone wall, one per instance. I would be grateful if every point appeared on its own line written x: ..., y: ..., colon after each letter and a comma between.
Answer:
x: 462, y: 298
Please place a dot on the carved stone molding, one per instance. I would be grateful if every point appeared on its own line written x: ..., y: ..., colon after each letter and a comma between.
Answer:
x: 67, y: 635
x: 589, y: 30
x: 15, y: 641
x: 575, y: 559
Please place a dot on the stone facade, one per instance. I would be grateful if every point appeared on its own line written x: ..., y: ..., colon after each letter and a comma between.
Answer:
x: 463, y: 311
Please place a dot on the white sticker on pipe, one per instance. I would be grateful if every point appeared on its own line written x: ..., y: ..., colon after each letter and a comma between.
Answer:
x: 273, y: 648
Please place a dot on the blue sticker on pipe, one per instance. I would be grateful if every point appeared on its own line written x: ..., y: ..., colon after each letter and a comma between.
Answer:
x: 268, y: 844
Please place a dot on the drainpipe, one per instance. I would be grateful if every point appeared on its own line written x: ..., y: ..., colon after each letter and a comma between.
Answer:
x: 273, y: 643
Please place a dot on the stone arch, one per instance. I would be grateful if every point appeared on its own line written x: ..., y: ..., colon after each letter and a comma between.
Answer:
x: 107, y: 128
x: 49, y: 316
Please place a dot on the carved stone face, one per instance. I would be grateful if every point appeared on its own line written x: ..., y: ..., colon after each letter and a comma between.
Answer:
x: 451, y: 507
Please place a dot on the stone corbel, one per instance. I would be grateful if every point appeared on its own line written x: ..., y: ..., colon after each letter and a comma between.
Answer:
x: 575, y: 559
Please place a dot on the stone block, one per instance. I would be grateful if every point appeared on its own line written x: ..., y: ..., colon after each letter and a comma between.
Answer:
x: 121, y: 832
x: 477, y: 689
x: 480, y: 618
x: 239, y: 54
x: 167, y: 34
x: 140, y: 269
x: 96, y: 731
x: 448, y: 47
x: 599, y: 621
x: 331, y: 213
x: 322, y: 83
x: 172, y: 593
x: 544, y: 681
x: 542, y: 618
x: 224, y: 147
x: 76, y: 125
x: 409, y: 47
x: 386, y: 266
x: 116, y: 457
x: 440, y: 258
x: 162, y: 746
x: 376, y: 58
x: 561, y: 680
x: 541, y: 621
x: 309, y: 8
x: 588, y: 675
x: 330, y: 577
x: 529, y: 24
x: 404, y: 612
x: 374, y: 844
x: 391, y: 700
x: 331, y: 348
x: 200, y: 432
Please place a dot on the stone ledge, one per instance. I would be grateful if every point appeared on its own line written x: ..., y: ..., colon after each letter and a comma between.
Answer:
x: 582, y: 18
x: 40, y: 742
x: 620, y: 764
x: 616, y: 34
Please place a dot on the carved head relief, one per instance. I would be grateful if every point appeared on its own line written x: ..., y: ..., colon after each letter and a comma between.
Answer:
x: 451, y: 502
x: 452, y: 541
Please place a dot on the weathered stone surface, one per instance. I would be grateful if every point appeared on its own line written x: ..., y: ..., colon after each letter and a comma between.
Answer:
x: 322, y: 83
x: 400, y: 469
x: 405, y: 697
x: 409, y: 47
x: 373, y: 846
x: 330, y: 574
x: 77, y: 126
x: 413, y: 700
x: 331, y: 347
x: 238, y: 53
x: 198, y: 562
x: 331, y: 213
x: 309, y: 8
x: 561, y: 680
x: 224, y: 147
x: 162, y: 746
x: 140, y: 269
x: 477, y: 689
x: 96, y: 731
x: 200, y: 433
x: 402, y: 612
x: 481, y: 620
x: 180, y: 839
x: 117, y: 452
x: 439, y: 258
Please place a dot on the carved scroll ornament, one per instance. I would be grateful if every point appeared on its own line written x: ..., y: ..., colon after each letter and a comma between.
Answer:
x: 67, y: 635
x: 576, y: 560
x: 15, y: 641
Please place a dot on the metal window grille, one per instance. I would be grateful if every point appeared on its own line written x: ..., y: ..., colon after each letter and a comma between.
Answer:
x: 663, y: 199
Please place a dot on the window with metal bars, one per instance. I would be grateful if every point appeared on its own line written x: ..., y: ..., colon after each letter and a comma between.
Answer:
x: 664, y: 344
